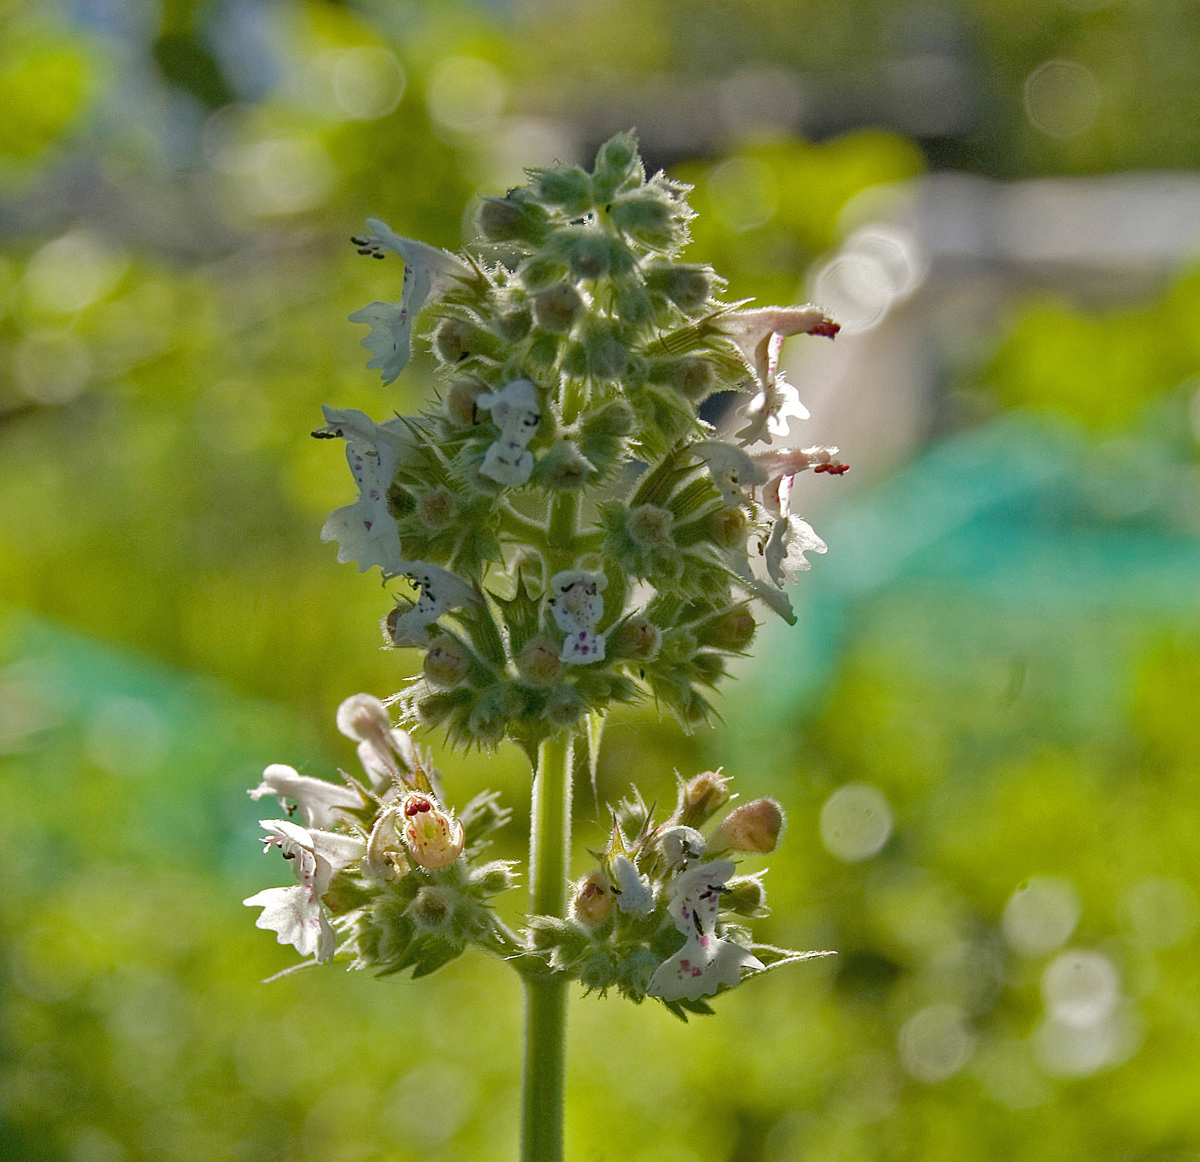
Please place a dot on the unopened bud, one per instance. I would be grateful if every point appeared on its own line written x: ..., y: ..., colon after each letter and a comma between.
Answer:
x: 436, y: 509
x: 727, y: 528
x: 746, y: 896
x: 701, y: 797
x: 753, y: 827
x: 452, y: 339
x: 586, y: 250
x: 731, y: 631
x: 607, y: 355
x: 514, y: 325
x: 592, y: 902
x: 459, y: 401
x: 564, y: 707
x: 495, y: 708
x: 692, y: 376
x: 538, y: 663
x: 646, y: 217
x: 446, y: 662
x: 650, y: 526
x: 637, y: 638
x: 565, y: 468
x: 567, y: 187
x: 433, y: 838
x: 431, y: 909
x: 510, y: 219
x: 364, y: 718
x: 688, y: 286
x: 557, y: 307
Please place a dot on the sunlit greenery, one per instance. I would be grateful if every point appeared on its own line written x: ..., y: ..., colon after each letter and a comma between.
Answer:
x: 174, y: 284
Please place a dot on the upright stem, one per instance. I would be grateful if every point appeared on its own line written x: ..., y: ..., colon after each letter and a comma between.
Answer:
x: 544, y: 1067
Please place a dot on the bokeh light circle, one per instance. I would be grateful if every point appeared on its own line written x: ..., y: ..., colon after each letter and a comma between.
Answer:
x: 1062, y: 98
x: 856, y: 822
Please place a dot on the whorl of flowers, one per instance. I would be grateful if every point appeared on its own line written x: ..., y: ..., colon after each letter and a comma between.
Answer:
x: 562, y: 532
x: 575, y: 534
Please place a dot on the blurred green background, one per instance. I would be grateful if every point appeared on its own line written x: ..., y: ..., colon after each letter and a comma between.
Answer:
x: 984, y: 727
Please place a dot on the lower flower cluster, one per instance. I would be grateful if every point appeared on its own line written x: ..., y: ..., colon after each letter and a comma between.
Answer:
x: 389, y: 878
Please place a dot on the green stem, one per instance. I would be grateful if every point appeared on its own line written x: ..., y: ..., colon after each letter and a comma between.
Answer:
x: 544, y: 1067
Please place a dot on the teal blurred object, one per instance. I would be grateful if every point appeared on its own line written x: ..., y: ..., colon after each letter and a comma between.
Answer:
x: 1029, y: 529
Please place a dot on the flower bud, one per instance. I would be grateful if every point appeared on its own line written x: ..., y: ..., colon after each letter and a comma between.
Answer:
x: 586, y: 249
x: 538, y: 662
x: 731, y: 631
x: 679, y: 645
x: 364, y: 718
x: 648, y: 218
x: 556, y: 308
x: 494, y: 709
x: 564, y: 707
x: 701, y: 797
x: 436, y: 509
x: 746, y: 896
x: 564, y: 468
x: 512, y: 220
x: 726, y: 528
x: 592, y: 902
x: 617, y: 166
x: 650, y: 526
x: 493, y: 878
x: 455, y: 339
x: 431, y: 909
x: 687, y: 285
x: 637, y: 638
x: 459, y: 401
x: 691, y: 376
x: 634, y: 305
x: 434, y: 709
x: 514, y: 325
x: 433, y: 838
x: 568, y: 187
x: 446, y: 662
x: 607, y: 355
x: 754, y: 827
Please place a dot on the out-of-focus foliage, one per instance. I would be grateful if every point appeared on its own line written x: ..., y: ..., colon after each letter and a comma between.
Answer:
x: 178, y: 184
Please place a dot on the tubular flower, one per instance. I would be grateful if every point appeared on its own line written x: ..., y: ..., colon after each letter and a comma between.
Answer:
x: 428, y: 272
x: 705, y: 962
x: 433, y: 838
x: 438, y: 591
x: 577, y: 606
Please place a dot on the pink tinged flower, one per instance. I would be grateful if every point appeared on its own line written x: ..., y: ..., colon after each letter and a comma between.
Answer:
x: 759, y: 334
x: 434, y: 839
x: 576, y: 606
x: 428, y: 273
x: 295, y: 913
x: 780, y: 465
x: 438, y: 591
x: 733, y: 471
x: 706, y: 961
x: 752, y: 827
x: 365, y: 530
x: 320, y: 803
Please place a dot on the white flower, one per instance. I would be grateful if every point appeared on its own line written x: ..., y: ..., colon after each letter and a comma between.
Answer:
x: 633, y: 891
x: 320, y: 803
x: 770, y: 412
x: 295, y: 913
x: 508, y: 462
x: 790, y: 539
x: 705, y: 962
x: 365, y: 530
x: 428, y: 272
x: 681, y: 844
x: 732, y: 470
x: 576, y: 606
x: 365, y: 719
x: 758, y: 335
x: 439, y: 591
x: 516, y: 409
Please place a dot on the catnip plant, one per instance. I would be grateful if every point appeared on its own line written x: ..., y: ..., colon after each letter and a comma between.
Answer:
x: 560, y: 533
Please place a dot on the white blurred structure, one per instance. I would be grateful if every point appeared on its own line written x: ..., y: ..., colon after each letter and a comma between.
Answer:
x: 927, y: 272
